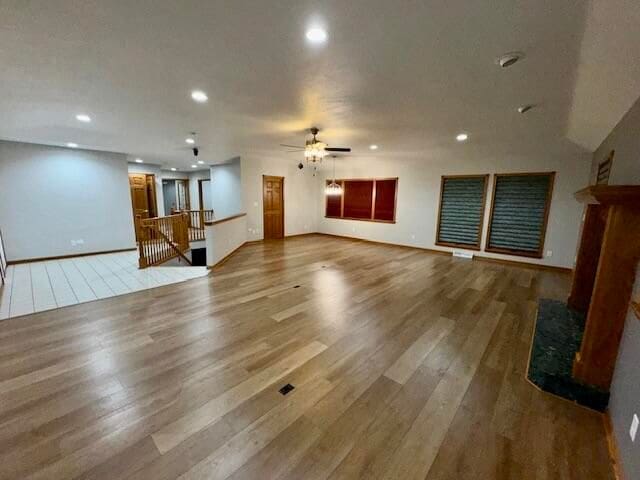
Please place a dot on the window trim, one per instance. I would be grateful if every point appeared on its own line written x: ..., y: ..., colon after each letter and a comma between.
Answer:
x: 466, y: 246
x: 341, y: 181
x: 547, y: 208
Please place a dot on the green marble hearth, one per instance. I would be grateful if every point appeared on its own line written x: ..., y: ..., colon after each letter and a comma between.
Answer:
x: 556, y: 340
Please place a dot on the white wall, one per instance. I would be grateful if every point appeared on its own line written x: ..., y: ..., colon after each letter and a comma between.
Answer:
x: 226, y: 188
x: 193, y: 186
x: 301, y: 195
x: 223, y: 238
x: 419, y: 191
x: 51, y: 196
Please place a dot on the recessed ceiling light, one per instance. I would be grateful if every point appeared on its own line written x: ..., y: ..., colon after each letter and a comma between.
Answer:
x: 194, y: 166
x: 190, y: 141
x: 199, y: 96
x: 173, y: 169
x: 81, y: 117
x: 316, y: 35
x: 72, y: 145
x: 200, y: 162
x: 373, y: 147
x: 461, y: 137
x: 139, y: 160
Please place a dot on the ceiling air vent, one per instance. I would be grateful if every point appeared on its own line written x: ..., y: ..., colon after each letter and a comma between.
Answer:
x: 509, y: 59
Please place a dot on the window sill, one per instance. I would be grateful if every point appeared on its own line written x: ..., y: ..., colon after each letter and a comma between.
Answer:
x: 459, y: 245
x: 361, y: 219
x: 515, y: 253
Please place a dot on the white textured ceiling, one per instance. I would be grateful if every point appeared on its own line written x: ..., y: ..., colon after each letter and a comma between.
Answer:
x: 406, y: 74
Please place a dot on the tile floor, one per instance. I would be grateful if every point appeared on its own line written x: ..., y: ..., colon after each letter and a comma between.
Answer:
x: 34, y: 287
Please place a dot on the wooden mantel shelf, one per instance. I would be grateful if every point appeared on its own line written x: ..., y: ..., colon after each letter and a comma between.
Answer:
x: 609, y: 195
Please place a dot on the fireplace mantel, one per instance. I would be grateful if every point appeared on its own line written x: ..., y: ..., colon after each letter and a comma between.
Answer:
x: 603, y: 276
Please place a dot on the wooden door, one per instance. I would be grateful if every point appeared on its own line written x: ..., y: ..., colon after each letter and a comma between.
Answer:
x: 273, y: 206
x: 139, y: 198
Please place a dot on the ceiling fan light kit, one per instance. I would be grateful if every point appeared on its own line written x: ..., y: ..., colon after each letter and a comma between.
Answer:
x: 314, y: 150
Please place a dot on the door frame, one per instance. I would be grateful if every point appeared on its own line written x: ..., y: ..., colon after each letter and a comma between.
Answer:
x: 281, y: 179
x: 200, y: 195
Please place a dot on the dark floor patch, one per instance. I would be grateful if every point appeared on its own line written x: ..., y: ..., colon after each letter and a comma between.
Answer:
x: 556, y: 340
x: 286, y: 389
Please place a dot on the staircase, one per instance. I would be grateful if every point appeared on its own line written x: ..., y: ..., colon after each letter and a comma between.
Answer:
x: 162, y: 239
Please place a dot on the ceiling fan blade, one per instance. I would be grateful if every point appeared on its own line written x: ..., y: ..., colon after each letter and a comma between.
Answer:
x: 290, y: 146
x: 337, y: 149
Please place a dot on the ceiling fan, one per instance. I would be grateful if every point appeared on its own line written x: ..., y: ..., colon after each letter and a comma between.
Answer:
x: 314, y: 150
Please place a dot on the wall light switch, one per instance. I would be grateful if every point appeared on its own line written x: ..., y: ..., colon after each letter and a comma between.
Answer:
x: 255, y: 204
x: 634, y: 427
x: 549, y: 253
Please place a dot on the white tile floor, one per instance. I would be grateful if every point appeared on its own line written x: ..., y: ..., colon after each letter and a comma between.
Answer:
x: 34, y: 287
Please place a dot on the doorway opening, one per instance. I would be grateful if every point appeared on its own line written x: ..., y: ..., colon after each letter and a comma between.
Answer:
x: 143, y: 198
x: 204, y: 194
x: 273, y: 206
x: 175, y: 193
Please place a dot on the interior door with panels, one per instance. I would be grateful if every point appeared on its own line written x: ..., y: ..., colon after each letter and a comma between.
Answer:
x: 273, y: 206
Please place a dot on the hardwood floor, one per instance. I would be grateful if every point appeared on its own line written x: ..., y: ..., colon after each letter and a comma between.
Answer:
x: 406, y: 364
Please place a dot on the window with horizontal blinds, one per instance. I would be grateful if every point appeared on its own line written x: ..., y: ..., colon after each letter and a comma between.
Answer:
x: 385, y: 201
x: 519, y: 213
x: 334, y: 204
x: 462, y: 200
x: 367, y: 199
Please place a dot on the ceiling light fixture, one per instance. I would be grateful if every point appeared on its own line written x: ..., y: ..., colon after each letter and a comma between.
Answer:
x: 508, y: 59
x: 139, y: 160
x: 334, y: 188
x: 72, y: 145
x: 190, y: 141
x: 373, y: 147
x: 461, y: 137
x: 194, y: 166
x: 316, y: 35
x: 200, y: 162
x: 199, y: 96
x: 81, y: 117
x: 173, y: 169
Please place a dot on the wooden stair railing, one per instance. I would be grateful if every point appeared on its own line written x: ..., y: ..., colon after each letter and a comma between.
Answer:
x: 196, y: 222
x: 162, y: 239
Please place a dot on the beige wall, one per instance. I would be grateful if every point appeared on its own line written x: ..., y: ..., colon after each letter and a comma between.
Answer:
x: 419, y: 193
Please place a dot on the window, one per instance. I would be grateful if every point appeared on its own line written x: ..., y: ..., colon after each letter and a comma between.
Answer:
x: 519, y: 213
x: 461, y: 215
x: 604, y: 170
x: 364, y: 199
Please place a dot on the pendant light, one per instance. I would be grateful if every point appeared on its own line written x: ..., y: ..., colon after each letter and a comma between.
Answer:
x: 333, y: 189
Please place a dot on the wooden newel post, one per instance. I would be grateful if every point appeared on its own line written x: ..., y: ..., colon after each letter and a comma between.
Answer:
x: 603, y: 277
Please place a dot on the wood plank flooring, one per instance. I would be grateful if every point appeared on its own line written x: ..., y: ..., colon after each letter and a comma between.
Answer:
x: 406, y: 364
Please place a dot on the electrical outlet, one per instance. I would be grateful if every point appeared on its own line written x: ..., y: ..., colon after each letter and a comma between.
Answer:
x: 549, y: 253
x: 634, y: 427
